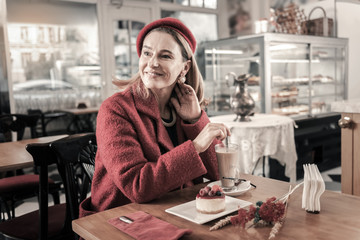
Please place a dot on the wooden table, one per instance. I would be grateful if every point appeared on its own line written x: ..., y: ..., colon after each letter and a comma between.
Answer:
x: 13, y: 155
x: 338, y: 218
x: 82, y: 111
x: 83, y: 119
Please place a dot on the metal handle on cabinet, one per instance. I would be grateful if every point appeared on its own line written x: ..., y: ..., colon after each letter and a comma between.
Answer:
x: 345, y: 122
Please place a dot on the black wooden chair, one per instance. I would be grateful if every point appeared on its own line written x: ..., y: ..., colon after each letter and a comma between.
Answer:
x: 47, y: 118
x: 17, y: 123
x: 16, y: 188
x: 35, y: 225
x: 54, y: 222
x: 87, y: 157
x: 72, y: 152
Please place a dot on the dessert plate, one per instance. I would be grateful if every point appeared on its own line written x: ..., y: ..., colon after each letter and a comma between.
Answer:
x: 188, y: 210
x: 238, y: 190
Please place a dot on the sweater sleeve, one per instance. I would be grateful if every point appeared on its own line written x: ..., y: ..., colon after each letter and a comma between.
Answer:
x: 131, y: 155
x: 209, y: 156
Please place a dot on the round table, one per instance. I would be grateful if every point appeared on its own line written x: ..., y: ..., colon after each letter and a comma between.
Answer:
x: 266, y: 135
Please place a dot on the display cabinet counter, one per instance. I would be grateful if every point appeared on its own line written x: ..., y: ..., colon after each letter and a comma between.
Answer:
x: 346, y: 106
x: 296, y: 76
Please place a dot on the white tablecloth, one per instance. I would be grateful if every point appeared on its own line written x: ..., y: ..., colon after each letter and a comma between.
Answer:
x: 265, y: 135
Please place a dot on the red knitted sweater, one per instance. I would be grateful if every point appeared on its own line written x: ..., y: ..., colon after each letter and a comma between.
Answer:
x: 136, y: 160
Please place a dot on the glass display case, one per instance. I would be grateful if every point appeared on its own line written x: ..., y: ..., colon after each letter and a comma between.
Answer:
x: 293, y: 75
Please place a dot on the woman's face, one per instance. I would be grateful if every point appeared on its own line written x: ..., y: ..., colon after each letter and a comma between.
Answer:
x: 161, y: 62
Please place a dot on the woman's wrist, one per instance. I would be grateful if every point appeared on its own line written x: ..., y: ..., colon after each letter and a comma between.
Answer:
x: 196, y: 146
x: 192, y: 121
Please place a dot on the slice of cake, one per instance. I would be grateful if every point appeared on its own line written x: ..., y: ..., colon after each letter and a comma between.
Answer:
x: 210, y: 200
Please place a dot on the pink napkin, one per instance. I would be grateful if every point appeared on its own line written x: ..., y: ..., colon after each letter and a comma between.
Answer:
x: 146, y: 226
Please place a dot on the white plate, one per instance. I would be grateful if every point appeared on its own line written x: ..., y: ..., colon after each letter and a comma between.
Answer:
x: 188, y: 210
x: 239, y: 189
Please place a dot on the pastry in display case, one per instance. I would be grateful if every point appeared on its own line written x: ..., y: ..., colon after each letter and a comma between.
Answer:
x: 297, y: 76
x: 254, y: 81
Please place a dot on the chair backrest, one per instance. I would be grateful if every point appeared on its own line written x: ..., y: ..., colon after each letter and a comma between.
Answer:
x: 43, y: 128
x: 87, y: 158
x: 40, y: 127
x: 18, y: 123
x: 43, y: 157
x: 77, y: 183
x: 65, y: 154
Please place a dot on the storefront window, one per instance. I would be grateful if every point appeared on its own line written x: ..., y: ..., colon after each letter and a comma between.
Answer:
x: 202, y: 25
x: 126, y: 58
x: 210, y: 4
x: 54, y: 59
x: 182, y: 2
x: 195, y: 3
x: 4, y: 88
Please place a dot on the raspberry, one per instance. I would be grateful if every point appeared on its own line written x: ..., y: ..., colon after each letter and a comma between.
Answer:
x: 212, y: 193
x: 216, y: 188
x: 202, y: 192
x: 207, y: 189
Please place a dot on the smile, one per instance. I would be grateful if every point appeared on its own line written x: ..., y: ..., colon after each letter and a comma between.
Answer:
x: 153, y: 74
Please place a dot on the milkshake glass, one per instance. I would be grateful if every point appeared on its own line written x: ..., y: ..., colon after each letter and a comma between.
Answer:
x: 228, y: 163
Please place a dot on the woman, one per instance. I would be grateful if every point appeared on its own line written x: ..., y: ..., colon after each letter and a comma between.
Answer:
x: 153, y: 137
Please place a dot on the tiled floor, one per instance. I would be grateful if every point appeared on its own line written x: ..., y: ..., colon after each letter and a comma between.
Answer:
x: 332, y: 179
x: 32, y: 204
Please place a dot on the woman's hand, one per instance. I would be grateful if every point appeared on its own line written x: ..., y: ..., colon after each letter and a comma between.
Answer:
x: 208, y: 134
x: 186, y: 104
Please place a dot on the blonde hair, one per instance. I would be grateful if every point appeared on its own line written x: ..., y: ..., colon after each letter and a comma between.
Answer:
x: 193, y: 76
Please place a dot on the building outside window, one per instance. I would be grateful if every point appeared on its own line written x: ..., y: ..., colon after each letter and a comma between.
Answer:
x: 126, y: 58
x: 54, y: 59
x: 55, y: 52
x: 199, y: 16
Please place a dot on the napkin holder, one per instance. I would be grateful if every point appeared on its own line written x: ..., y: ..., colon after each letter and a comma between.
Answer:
x: 314, y: 187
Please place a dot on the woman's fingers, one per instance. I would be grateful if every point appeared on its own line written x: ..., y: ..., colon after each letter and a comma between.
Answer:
x: 175, y: 102
x: 188, y: 90
x: 223, y: 132
x: 178, y: 92
x: 221, y: 136
x: 184, y: 89
x: 209, y: 133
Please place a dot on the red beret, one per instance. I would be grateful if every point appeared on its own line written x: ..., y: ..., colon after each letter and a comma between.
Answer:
x: 168, y: 22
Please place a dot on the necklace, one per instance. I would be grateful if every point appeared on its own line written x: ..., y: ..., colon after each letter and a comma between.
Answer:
x: 173, y: 117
